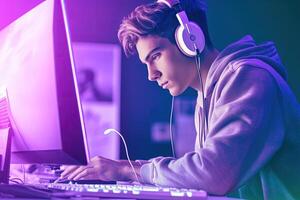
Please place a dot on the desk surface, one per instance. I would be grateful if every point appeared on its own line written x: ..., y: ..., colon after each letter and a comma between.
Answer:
x: 34, y: 179
x: 42, y: 191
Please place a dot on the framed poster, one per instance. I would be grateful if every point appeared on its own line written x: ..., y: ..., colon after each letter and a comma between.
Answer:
x: 98, y: 77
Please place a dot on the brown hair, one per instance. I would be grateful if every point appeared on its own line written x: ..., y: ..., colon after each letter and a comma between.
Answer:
x: 158, y: 19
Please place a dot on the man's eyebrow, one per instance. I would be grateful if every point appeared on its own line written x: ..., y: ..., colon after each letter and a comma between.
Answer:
x: 150, y: 53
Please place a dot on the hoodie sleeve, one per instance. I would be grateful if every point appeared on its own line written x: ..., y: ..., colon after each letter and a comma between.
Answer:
x: 245, y: 130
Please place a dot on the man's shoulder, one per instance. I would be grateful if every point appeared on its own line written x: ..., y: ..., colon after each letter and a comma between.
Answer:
x: 250, y: 68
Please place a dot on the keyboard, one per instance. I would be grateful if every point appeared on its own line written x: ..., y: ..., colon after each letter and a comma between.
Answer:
x: 127, y: 191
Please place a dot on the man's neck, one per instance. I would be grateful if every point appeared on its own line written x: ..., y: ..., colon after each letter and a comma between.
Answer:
x: 207, y: 58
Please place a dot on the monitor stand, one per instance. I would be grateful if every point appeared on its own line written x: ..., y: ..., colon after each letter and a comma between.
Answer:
x: 5, y: 137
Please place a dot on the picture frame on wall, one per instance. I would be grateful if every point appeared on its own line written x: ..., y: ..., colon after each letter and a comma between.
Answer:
x: 98, y: 76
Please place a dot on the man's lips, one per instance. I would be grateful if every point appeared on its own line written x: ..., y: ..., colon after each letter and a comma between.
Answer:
x: 164, y: 84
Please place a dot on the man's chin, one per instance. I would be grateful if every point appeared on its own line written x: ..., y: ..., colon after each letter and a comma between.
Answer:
x: 175, y: 92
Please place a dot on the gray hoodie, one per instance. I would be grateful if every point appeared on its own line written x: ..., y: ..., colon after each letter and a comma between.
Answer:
x: 252, y: 144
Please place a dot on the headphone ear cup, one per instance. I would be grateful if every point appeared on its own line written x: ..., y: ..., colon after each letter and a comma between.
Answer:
x: 187, y: 38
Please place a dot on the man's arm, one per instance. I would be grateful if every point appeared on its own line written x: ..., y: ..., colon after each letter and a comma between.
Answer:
x: 245, y: 130
x: 103, y: 169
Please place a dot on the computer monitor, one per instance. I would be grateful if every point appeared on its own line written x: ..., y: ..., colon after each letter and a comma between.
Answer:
x: 38, y: 75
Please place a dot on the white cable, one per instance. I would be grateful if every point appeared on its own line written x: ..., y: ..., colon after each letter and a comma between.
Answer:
x: 203, y: 117
x: 203, y: 100
x: 111, y: 130
x: 171, y: 132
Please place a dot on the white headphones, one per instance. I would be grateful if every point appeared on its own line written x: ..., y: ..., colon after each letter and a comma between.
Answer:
x: 189, y: 36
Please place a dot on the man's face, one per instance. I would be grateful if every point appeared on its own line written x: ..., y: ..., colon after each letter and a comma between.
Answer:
x: 166, y: 64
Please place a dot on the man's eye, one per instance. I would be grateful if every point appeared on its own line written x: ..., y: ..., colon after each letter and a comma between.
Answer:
x: 155, y: 56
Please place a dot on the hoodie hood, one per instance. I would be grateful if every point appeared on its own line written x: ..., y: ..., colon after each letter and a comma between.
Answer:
x: 245, y: 48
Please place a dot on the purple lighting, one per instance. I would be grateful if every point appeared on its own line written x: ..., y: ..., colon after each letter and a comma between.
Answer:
x: 22, y: 53
x: 37, y: 70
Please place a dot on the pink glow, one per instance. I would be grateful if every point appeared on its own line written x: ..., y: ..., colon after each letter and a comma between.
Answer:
x: 27, y: 46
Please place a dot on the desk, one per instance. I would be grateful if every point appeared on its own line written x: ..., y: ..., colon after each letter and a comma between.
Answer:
x: 95, y: 190
x: 41, y: 192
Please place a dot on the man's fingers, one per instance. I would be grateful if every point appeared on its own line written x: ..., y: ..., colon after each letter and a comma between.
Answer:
x: 67, y: 171
x: 77, y: 171
x: 63, y: 167
x: 83, y: 175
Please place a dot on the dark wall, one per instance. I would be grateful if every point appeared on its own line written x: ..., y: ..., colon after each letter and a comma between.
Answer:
x: 142, y: 102
x: 274, y: 20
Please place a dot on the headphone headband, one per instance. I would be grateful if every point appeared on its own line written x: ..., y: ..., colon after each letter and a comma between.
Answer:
x: 189, y: 36
x: 169, y: 3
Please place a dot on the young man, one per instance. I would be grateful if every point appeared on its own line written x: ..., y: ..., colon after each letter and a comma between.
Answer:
x: 251, y: 143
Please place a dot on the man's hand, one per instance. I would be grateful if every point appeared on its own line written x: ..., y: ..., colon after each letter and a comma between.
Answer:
x: 100, y: 168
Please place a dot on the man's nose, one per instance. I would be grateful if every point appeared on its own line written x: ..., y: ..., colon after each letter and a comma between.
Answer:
x: 153, y: 73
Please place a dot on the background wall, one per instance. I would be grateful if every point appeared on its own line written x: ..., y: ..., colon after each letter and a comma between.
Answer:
x: 142, y: 102
x: 274, y: 20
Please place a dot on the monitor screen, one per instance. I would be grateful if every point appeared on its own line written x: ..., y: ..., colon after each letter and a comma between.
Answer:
x: 38, y: 74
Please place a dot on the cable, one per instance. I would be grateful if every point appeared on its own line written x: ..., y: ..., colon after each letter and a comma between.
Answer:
x: 171, y: 132
x: 203, y: 101
x: 201, y: 128
x: 203, y: 113
x: 110, y: 130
